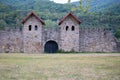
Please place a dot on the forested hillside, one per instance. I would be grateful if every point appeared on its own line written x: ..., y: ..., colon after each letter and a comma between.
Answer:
x: 13, y: 11
x: 99, y: 5
x: 101, y: 13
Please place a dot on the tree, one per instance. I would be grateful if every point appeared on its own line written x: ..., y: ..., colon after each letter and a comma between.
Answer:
x: 83, y: 6
x: 69, y: 1
x: 50, y: 24
x: 3, y: 24
x: 117, y: 34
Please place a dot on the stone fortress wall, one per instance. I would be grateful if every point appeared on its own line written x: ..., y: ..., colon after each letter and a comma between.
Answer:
x: 90, y: 40
x: 33, y: 37
x: 11, y: 40
x: 97, y: 40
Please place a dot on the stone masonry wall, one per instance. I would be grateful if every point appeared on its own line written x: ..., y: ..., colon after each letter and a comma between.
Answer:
x: 90, y: 40
x: 97, y: 40
x: 51, y: 34
x: 11, y: 41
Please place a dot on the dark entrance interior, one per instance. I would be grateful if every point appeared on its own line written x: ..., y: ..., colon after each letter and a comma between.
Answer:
x: 51, y: 47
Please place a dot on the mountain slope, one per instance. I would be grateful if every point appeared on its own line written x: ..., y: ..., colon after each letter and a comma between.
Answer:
x: 115, y: 9
x: 49, y: 6
x: 105, y: 12
x: 99, y: 5
x: 39, y: 5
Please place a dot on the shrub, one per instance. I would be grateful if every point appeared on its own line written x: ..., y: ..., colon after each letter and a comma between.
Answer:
x: 117, y: 34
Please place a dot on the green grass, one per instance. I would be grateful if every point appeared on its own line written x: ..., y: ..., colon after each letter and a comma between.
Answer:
x: 60, y: 66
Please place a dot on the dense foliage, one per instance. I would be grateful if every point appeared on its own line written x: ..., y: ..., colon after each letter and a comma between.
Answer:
x: 101, y: 13
x: 117, y: 34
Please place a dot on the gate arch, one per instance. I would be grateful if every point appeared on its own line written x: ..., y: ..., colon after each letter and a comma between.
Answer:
x: 51, y: 47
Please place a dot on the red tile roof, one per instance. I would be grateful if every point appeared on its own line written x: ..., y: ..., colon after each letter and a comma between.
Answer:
x: 69, y: 14
x: 32, y: 14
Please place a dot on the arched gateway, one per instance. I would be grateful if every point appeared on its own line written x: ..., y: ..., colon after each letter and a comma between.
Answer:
x: 51, y: 47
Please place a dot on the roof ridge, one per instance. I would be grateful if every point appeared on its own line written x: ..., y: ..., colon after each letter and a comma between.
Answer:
x: 70, y: 13
x: 29, y: 15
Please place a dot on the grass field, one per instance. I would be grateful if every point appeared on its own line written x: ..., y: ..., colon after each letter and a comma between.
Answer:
x: 60, y: 66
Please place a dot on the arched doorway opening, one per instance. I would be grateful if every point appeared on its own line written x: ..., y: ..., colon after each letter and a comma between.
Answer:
x: 51, y: 47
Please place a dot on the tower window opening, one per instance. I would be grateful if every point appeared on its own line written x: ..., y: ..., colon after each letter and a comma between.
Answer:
x: 30, y: 27
x: 67, y: 27
x: 36, y: 27
x: 73, y: 28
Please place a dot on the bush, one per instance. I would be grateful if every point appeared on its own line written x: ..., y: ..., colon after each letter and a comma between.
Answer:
x: 117, y: 34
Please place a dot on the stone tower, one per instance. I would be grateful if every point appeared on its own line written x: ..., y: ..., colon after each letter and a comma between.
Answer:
x: 69, y: 33
x: 32, y: 33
